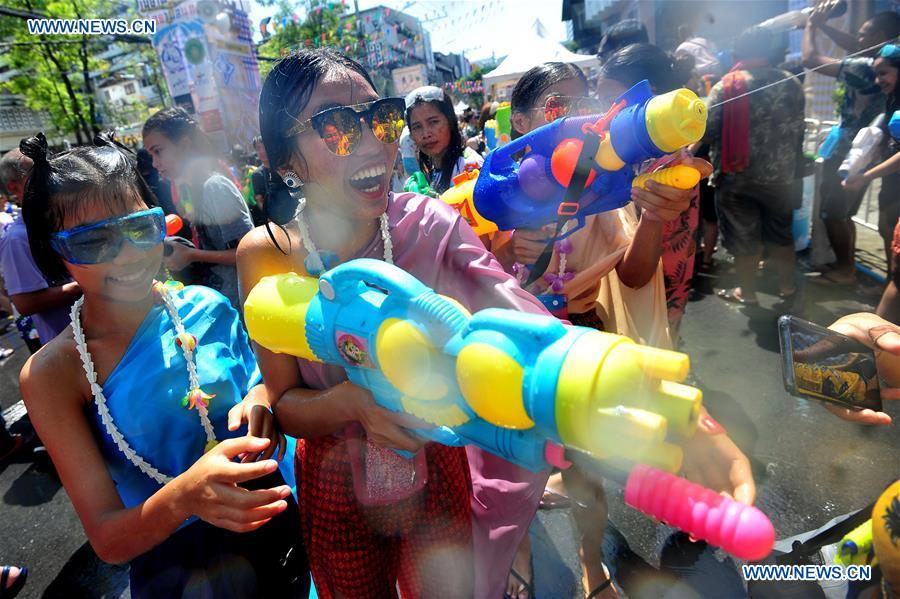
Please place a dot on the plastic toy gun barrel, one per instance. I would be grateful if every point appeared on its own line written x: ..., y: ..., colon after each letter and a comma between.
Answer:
x: 856, y: 546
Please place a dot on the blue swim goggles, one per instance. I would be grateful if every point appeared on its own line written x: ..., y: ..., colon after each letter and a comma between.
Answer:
x: 102, y: 241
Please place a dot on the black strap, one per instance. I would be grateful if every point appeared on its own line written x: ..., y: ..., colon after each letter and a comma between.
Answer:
x: 573, y: 194
x: 830, y: 535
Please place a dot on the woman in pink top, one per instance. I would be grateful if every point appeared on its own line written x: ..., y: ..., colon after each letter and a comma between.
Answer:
x: 423, y: 538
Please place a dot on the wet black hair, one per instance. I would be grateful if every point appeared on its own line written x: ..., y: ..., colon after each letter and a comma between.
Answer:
x: 454, y: 150
x: 175, y: 124
x: 285, y: 93
x: 623, y: 33
x: 531, y: 86
x: 144, y: 161
x: 636, y: 62
x: 887, y: 22
x: 66, y: 184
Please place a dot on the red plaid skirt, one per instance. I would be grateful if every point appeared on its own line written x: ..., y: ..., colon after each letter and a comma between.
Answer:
x: 422, y: 543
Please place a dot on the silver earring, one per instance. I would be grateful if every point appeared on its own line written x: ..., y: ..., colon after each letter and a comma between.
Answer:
x: 292, y: 180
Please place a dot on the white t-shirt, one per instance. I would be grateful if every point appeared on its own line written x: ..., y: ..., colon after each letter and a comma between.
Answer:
x: 469, y: 160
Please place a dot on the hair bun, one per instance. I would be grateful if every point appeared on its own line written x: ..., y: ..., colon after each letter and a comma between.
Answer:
x: 35, y: 147
x: 107, y: 139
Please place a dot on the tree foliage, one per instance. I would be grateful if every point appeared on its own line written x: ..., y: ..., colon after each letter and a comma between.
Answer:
x: 53, y: 72
x: 323, y: 24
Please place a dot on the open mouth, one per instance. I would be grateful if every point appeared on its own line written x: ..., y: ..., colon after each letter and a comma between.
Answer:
x: 368, y: 180
x: 132, y: 278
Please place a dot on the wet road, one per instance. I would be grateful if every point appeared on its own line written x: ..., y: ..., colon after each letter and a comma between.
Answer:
x: 809, y: 466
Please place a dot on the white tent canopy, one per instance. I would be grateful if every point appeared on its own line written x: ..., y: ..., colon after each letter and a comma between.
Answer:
x: 531, y: 50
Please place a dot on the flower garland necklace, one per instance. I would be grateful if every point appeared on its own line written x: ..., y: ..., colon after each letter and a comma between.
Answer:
x: 317, y: 261
x: 563, y: 275
x: 195, y: 397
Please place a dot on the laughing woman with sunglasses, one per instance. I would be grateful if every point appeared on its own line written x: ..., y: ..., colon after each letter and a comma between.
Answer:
x: 140, y: 400
x: 370, y: 519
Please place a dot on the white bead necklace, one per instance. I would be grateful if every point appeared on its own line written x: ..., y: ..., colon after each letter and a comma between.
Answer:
x: 195, y: 396
x: 314, y: 260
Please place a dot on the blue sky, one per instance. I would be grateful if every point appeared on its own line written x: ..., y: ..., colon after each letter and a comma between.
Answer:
x: 479, y: 28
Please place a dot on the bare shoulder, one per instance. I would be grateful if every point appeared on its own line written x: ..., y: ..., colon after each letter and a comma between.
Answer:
x: 53, y: 375
x: 258, y: 256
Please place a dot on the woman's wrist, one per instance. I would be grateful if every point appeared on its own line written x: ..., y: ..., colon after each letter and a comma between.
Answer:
x: 176, y: 504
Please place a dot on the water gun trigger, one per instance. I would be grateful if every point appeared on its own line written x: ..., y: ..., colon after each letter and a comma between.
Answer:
x: 679, y: 176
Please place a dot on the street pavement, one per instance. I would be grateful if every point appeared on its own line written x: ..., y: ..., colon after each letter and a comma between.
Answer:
x: 809, y: 466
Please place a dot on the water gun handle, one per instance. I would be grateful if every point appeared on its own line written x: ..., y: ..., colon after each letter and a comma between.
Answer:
x: 440, y: 435
x: 739, y: 529
x: 681, y: 177
x: 345, y: 281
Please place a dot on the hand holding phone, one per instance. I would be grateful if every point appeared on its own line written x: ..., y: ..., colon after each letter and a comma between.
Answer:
x: 823, y: 364
x: 870, y: 333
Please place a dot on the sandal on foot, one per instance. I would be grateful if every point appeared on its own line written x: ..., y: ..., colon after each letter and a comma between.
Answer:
x: 524, y: 586
x: 600, y: 588
x: 16, y: 586
x: 6, y: 352
x: 551, y: 500
x: 730, y: 295
x: 835, y: 277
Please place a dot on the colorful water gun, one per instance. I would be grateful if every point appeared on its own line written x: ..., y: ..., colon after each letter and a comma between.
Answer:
x: 418, y: 183
x: 460, y: 197
x: 856, y: 547
x: 174, y: 224
x: 498, y: 130
x: 578, y: 166
x: 521, y: 386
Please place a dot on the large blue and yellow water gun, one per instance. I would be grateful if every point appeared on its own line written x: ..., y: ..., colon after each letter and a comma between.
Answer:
x: 521, y: 386
x: 524, y: 184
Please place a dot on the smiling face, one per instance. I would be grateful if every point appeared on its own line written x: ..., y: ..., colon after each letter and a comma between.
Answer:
x: 885, y: 76
x: 129, y: 276
x: 430, y: 130
x: 354, y: 186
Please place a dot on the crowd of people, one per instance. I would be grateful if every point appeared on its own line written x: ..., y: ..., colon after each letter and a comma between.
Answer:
x: 128, y: 321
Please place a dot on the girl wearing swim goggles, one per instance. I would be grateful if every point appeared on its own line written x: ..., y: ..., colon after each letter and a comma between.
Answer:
x: 367, y: 532
x: 151, y: 478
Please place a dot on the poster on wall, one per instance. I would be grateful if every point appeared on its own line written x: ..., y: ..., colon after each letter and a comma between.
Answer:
x: 236, y: 72
x: 188, y: 69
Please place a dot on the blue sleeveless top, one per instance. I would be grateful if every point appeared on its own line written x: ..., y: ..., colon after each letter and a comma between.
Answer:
x: 144, y: 391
